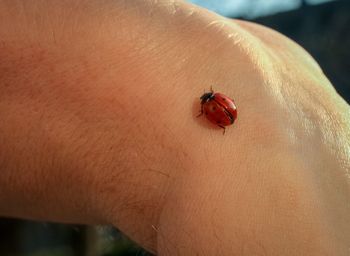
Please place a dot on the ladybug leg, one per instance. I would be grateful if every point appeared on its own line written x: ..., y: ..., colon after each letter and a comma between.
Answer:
x: 201, y: 113
x: 223, y: 127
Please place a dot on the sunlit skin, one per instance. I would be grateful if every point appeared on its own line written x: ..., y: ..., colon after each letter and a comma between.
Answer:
x: 98, y: 106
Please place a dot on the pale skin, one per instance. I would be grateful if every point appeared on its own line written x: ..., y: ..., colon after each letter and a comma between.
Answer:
x: 98, y: 106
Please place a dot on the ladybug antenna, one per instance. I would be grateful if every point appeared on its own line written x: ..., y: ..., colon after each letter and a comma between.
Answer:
x: 211, y: 89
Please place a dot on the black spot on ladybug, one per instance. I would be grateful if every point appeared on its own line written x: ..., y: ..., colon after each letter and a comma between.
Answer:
x: 206, y: 112
x: 218, y: 121
x: 223, y: 99
x: 214, y: 108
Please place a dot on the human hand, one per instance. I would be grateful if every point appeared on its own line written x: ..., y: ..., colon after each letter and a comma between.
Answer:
x: 99, y: 103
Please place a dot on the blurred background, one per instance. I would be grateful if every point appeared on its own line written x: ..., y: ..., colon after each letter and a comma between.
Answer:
x: 322, y: 27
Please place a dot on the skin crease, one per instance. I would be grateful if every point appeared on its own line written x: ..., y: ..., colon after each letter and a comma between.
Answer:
x: 98, y: 106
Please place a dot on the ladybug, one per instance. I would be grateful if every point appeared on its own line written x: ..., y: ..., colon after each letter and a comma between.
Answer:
x: 218, y: 109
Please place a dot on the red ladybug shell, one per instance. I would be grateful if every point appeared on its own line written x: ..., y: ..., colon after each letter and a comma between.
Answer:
x: 218, y: 109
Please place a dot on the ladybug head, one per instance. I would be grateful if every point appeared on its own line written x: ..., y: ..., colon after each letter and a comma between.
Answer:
x: 206, y: 97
